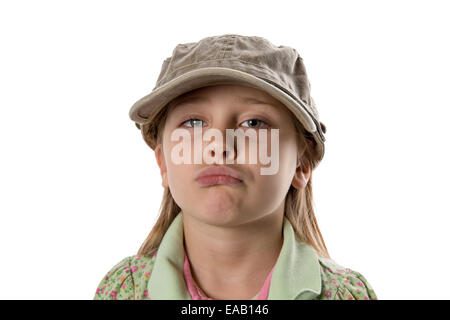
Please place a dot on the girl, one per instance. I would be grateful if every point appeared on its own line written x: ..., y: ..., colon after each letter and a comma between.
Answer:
x: 226, y: 230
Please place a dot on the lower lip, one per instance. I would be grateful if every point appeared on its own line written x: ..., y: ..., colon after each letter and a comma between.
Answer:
x: 212, y: 180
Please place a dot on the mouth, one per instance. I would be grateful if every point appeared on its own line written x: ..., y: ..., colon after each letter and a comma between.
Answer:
x: 212, y: 180
x: 218, y: 175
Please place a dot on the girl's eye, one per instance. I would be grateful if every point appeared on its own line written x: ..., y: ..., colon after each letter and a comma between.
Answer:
x: 255, y: 123
x: 192, y: 122
x: 252, y: 123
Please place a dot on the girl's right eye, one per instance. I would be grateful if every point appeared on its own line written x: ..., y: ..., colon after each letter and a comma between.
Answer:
x: 192, y: 122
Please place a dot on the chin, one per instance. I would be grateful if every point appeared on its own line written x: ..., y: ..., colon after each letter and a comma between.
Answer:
x: 220, y: 217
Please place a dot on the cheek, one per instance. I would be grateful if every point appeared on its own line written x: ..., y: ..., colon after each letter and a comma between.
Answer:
x: 283, y: 157
x: 178, y: 175
x: 271, y: 190
x: 180, y: 184
x: 287, y: 158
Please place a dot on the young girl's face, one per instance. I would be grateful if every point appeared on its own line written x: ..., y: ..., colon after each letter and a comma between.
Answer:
x: 230, y: 107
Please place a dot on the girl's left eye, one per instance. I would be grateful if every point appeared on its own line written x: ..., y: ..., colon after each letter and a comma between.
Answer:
x: 255, y: 123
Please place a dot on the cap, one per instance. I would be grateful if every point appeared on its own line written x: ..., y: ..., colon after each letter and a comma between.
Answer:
x: 233, y: 59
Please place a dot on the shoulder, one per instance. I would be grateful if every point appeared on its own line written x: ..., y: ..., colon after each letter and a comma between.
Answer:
x: 127, y: 280
x: 339, y: 283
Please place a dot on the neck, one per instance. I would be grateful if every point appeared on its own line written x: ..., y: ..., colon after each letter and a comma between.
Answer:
x: 233, y: 257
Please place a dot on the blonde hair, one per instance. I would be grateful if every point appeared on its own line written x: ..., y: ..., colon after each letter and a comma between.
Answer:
x: 299, y: 206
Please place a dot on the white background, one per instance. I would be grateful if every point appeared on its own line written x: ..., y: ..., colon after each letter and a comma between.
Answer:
x: 80, y: 189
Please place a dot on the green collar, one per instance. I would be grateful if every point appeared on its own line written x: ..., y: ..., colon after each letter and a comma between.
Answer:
x: 296, y: 275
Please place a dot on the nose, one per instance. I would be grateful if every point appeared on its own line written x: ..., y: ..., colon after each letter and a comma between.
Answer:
x: 225, y: 153
x: 228, y: 148
x: 229, y: 151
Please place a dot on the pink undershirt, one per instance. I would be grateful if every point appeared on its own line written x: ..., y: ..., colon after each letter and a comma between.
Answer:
x: 195, y: 293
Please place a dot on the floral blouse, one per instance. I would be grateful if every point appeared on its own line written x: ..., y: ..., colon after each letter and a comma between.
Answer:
x: 299, y: 273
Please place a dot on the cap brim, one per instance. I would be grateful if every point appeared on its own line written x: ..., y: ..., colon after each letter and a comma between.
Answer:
x: 146, y: 108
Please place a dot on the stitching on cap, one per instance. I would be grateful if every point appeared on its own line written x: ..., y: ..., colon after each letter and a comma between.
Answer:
x: 231, y: 59
x: 261, y: 68
x: 229, y: 43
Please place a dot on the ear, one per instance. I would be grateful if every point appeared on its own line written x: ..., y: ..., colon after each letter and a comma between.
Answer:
x: 159, y: 154
x: 302, y: 175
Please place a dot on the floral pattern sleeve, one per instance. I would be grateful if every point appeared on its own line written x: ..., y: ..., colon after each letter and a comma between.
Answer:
x: 355, y: 287
x: 127, y: 280
x: 340, y: 283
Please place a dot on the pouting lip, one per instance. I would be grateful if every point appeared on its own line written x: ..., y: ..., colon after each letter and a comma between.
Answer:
x: 218, y: 171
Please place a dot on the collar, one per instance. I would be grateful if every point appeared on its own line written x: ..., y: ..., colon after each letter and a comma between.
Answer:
x: 296, y: 275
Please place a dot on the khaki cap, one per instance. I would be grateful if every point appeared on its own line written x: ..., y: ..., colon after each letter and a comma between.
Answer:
x: 233, y: 59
